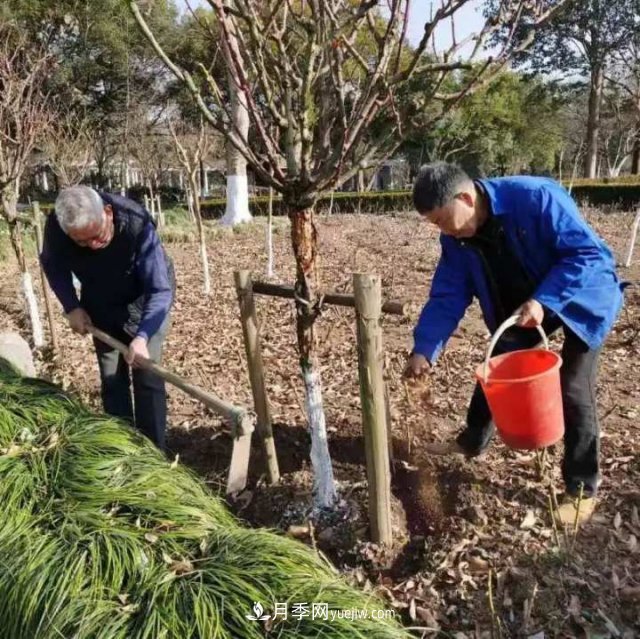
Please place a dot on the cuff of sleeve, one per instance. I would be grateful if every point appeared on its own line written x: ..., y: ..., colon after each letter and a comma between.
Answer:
x: 549, y: 302
x: 144, y: 335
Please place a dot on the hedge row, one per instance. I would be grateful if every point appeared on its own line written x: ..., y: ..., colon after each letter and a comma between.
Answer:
x: 625, y: 195
x: 375, y: 202
x: 622, y: 192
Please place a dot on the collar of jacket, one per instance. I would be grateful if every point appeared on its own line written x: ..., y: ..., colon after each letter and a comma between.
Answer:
x: 497, y: 205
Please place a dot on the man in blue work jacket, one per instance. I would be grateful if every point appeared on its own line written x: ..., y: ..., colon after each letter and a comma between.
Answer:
x: 520, y: 246
x: 111, y: 245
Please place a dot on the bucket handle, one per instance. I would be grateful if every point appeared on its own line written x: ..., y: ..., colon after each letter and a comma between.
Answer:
x: 512, y: 321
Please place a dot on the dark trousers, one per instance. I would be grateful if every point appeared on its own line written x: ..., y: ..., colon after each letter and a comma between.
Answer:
x: 578, y: 375
x: 149, y: 395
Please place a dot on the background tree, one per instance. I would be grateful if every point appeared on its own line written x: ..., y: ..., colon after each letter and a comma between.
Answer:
x: 581, y: 40
x: 618, y: 130
x: 202, y: 46
x: 302, y: 75
x: 104, y: 65
x: 192, y: 147
x: 510, y: 126
x: 24, y: 67
x: 624, y: 75
x: 149, y: 143
x: 67, y: 143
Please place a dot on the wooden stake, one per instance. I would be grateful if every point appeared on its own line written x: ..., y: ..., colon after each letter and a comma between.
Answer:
x: 253, y: 350
x: 368, y: 300
x: 37, y: 222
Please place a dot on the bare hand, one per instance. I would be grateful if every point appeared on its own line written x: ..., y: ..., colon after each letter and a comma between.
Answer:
x: 137, y: 350
x: 79, y: 321
x: 530, y: 314
x: 417, y: 366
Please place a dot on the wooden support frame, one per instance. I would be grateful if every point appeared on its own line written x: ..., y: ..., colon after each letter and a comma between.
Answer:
x: 367, y: 302
x: 251, y: 333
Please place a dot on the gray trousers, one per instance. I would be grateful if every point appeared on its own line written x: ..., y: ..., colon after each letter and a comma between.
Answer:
x: 148, y: 410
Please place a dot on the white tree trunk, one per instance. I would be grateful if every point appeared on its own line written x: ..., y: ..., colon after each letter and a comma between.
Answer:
x: 237, y: 208
x: 204, y: 191
x: 205, y: 265
x: 32, y: 308
x: 324, y: 491
x: 632, y: 242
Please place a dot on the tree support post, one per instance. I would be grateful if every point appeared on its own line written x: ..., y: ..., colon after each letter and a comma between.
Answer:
x: 253, y: 350
x: 368, y: 300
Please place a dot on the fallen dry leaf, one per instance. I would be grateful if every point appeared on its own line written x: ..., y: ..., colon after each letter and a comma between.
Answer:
x: 529, y: 521
x: 617, y: 521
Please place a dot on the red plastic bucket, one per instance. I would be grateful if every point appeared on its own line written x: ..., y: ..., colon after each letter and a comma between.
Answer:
x: 523, y: 392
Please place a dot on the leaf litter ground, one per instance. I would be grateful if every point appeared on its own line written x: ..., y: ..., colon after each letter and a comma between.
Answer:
x: 460, y: 526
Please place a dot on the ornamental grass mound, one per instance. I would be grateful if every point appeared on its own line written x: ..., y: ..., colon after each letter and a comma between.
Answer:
x: 102, y: 537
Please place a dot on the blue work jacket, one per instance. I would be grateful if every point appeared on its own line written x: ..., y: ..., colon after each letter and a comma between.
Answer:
x: 572, y: 268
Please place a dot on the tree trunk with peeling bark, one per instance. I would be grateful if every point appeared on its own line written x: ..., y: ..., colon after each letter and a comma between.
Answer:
x: 304, y: 243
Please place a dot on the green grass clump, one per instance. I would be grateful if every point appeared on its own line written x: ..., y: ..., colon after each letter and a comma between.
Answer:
x: 102, y: 538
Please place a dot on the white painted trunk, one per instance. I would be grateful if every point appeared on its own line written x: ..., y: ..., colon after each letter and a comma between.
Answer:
x: 205, y: 183
x: 205, y: 266
x: 324, y: 491
x: 634, y: 237
x: 32, y: 308
x: 237, y: 208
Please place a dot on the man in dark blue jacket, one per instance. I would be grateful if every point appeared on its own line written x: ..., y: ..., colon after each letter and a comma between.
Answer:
x: 110, y: 244
x: 520, y: 246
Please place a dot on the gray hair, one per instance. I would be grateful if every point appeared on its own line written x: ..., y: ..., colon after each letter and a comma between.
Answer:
x: 437, y: 184
x: 77, y: 207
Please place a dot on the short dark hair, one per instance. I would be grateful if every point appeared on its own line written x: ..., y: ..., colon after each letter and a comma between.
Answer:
x: 437, y: 184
